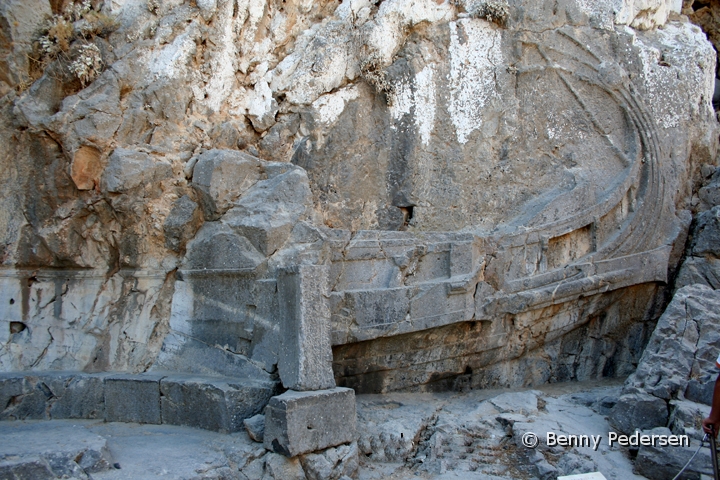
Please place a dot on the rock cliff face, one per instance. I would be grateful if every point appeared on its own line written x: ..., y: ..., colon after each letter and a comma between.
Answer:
x: 498, y: 189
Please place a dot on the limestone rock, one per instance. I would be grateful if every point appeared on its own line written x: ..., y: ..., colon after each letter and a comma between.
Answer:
x: 269, y: 210
x: 639, y: 410
x: 682, y: 347
x: 331, y: 464
x: 217, y: 246
x: 130, y: 169
x: 488, y: 215
x: 133, y: 399
x: 221, y: 176
x: 702, y: 265
x: 656, y: 462
x: 20, y: 20
x: 182, y: 223
x: 305, y: 356
x: 87, y: 167
x: 279, y: 467
x: 63, y: 451
x: 220, y: 404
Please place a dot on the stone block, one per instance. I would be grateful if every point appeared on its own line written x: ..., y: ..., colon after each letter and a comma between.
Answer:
x: 212, y: 404
x: 132, y: 398
x: 22, y: 398
x: 305, y: 355
x: 303, y: 422
x: 267, y: 212
x: 129, y: 169
x: 220, y: 177
x: 217, y: 247
x: 75, y: 394
x: 659, y: 463
x: 278, y: 467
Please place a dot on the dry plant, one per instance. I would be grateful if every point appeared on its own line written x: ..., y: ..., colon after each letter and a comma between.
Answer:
x: 372, y: 70
x: 496, y: 11
x: 67, y: 38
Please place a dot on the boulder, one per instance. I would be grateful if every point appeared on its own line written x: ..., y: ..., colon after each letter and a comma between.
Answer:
x: 220, y: 177
x: 129, y: 169
x: 267, y: 212
x: 182, y: 223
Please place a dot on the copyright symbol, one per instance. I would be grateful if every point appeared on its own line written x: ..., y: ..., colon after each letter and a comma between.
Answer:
x: 530, y: 440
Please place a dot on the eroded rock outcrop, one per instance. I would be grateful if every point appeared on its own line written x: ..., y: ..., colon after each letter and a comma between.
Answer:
x: 497, y: 193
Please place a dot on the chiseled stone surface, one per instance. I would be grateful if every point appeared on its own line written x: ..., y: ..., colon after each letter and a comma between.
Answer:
x: 303, y: 422
x: 219, y: 404
x: 207, y: 402
x: 133, y: 398
x: 305, y: 357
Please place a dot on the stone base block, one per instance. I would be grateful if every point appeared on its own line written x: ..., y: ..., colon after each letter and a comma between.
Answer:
x: 303, y: 422
x: 46, y: 395
x: 133, y: 398
x: 212, y: 403
x: 220, y: 405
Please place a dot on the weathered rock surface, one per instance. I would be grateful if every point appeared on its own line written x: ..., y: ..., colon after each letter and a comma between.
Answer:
x: 302, y: 422
x: 497, y: 199
x: 676, y: 370
x: 681, y: 353
x: 207, y: 402
x: 255, y: 427
x: 31, y: 450
x: 467, y: 436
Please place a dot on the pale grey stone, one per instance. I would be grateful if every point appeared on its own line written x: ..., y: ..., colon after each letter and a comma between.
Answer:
x: 331, y: 464
x: 220, y: 177
x: 129, y: 169
x: 29, y: 467
x: 305, y: 356
x: 524, y: 403
x: 64, y: 449
x: 268, y: 211
x: 133, y: 398
x: 279, y: 467
x: 217, y: 246
x: 303, y: 422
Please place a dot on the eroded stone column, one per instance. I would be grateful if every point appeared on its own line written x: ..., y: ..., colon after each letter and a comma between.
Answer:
x: 305, y: 356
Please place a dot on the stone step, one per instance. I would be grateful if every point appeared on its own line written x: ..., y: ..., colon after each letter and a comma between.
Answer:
x: 212, y: 403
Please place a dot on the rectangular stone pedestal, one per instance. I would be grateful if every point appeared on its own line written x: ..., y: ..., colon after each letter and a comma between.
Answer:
x: 302, y: 422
